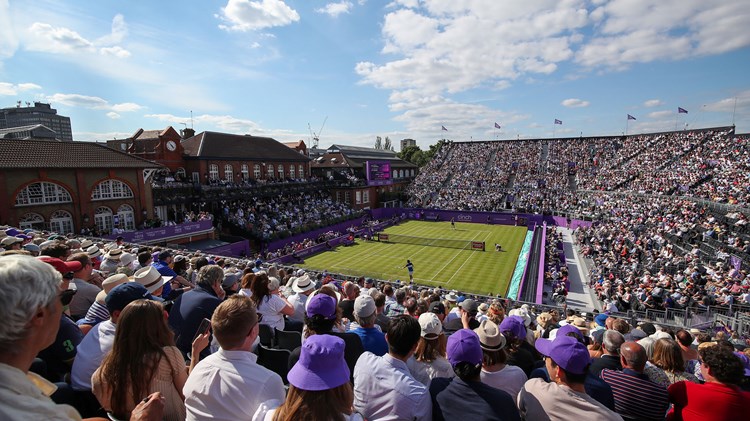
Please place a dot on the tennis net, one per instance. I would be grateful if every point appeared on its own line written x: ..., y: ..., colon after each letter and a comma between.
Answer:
x: 431, y: 242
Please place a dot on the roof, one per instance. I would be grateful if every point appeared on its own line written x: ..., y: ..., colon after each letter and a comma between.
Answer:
x: 54, y: 154
x: 344, y: 160
x: 360, y: 151
x: 213, y: 145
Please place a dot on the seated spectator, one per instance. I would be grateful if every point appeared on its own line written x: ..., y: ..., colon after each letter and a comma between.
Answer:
x: 467, y: 317
x: 319, y: 387
x: 86, y: 295
x: 302, y: 287
x: 720, y: 398
x: 667, y: 367
x: 229, y: 384
x: 636, y: 397
x: 143, y: 360
x: 192, y: 307
x: 465, y: 396
x: 565, y: 397
x: 269, y: 301
x: 495, y: 371
x: 396, y: 307
x: 610, y: 359
x: 381, y: 319
x: 429, y: 360
x: 383, y: 386
x: 513, y: 330
x: 372, y: 338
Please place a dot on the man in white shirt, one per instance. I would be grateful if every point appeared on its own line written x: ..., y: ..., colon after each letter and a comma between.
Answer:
x: 230, y: 384
x: 384, y: 389
x: 303, y: 287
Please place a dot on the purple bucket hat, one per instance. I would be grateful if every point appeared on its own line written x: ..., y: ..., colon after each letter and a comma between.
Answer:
x: 321, y: 364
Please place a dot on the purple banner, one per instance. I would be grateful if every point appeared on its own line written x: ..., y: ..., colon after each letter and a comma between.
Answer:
x: 238, y: 249
x: 341, y: 227
x: 156, y: 234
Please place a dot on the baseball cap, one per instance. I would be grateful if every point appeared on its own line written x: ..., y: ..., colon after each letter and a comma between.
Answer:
x: 323, y: 305
x: 437, y: 307
x: 61, y: 266
x: 124, y: 294
x: 7, y: 241
x: 463, y: 346
x: 230, y: 279
x: 470, y: 306
x: 164, y: 254
x: 364, y: 306
x: 567, y: 352
x: 430, y: 325
x: 512, y: 327
x: 566, y: 330
x: 601, y: 319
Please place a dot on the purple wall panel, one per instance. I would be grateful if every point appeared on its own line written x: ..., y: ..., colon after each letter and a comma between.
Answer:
x: 155, y: 234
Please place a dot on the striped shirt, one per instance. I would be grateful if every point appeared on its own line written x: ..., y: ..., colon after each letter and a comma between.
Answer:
x: 636, y: 397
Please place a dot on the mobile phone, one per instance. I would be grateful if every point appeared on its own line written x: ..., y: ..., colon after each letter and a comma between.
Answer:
x: 202, y: 328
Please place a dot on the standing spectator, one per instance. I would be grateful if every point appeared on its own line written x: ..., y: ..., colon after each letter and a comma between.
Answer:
x: 372, y: 338
x: 495, y: 370
x: 636, y: 397
x: 143, y: 360
x: 319, y: 387
x: 229, y: 384
x: 564, y: 398
x: 429, y: 360
x: 610, y: 359
x: 720, y: 398
x: 192, y: 307
x: 465, y: 396
x: 383, y: 386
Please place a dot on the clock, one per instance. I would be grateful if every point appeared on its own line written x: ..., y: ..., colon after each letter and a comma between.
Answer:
x: 171, y: 145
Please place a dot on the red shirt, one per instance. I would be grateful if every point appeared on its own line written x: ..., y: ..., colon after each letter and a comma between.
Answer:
x: 707, y: 402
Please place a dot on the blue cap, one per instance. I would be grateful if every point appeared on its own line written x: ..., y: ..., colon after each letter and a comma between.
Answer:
x: 124, y: 294
x: 601, y: 319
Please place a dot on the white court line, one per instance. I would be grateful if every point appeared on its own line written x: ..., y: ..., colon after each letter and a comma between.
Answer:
x: 464, y: 264
x: 451, y: 260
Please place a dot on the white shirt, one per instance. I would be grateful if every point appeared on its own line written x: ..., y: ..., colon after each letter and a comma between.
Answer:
x: 298, y: 302
x: 90, y: 354
x: 229, y: 385
x: 539, y: 400
x: 510, y: 379
x: 25, y: 396
x: 270, y: 307
x: 384, y: 389
x: 424, y: 372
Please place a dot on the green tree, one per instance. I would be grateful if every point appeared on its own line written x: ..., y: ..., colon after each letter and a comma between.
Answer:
x: 378, y: 142
x: 388, y: 146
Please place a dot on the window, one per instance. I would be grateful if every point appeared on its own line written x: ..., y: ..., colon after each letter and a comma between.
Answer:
x: 358, y: 197
x: 281, y: 172
x: 180, y: 174
x: 61, y: 222
x: 103, y: 220
x: 228, y: 173
x: 213, y: 172
x: 245, y: 172
x: 31, y: 221
x: 301, y: 170
x: 366, y: 197
x: 256, y: 171
x: 338, y: 196
x: 291, y: 172
x: 269, y: 171
x: 347, y: 197
x: 42, y: 193
x: 196, y: 177
x: 111, y: 189
x: 126, y: 217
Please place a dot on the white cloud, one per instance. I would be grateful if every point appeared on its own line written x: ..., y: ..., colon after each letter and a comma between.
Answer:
x: 739, y: 104
x: 61, y: 40
x: 113, y: 115
x: 208, y: 122
x: 10, y: 89
x: 8, y: 38
x: 247, y: 15
x: 660, y: 114
x: 100, y: 136
x: 93, y: 102
x: 575, y: 103
x: 653, y: 103
x: 335, y: 9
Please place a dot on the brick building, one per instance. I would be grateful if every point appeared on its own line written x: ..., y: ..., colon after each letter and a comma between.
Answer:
x: 66, y: 186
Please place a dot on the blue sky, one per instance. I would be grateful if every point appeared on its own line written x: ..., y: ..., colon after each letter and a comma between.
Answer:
x: 400, y: 68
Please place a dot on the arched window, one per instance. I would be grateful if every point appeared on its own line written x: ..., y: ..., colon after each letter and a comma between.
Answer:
x: 256, y: 171
x: 228, y: 172
x: 103, y: 219
x: 42, y: 193
x: 111, y: 189
x: 291, y: 171
x: 180, y: 174
x: 213, y: 172
x: 301, y: 169
x: 31, y: 221
x: 126, y: 217
x: 61, y: 222
x: 269, y: 171
x: 281, y: 172
x: 245, y: 172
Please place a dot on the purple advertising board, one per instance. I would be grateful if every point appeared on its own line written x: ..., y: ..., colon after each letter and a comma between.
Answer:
x: 378, y: 173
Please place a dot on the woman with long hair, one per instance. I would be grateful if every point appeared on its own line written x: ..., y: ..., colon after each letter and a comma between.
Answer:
x: 319, y: 387
x: 666, y: 365
x: 269, y: 302
x: 143, y: 360
x: 429, y: 359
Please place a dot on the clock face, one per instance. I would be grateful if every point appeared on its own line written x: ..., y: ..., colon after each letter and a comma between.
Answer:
x: 171, y: 145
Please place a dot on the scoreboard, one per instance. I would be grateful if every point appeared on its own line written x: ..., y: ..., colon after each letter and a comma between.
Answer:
x: 379, y: 173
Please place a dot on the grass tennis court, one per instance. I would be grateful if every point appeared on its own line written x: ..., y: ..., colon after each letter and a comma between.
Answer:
x: 465, y: 270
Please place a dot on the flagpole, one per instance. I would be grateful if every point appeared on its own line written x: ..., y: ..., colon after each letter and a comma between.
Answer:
x: 734, y: 110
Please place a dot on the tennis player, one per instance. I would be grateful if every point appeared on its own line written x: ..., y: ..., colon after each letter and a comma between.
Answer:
x: 453, y: 223
x: 410, y: 267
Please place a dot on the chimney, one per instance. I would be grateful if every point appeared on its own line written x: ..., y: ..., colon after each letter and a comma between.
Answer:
x: 187, y: 132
